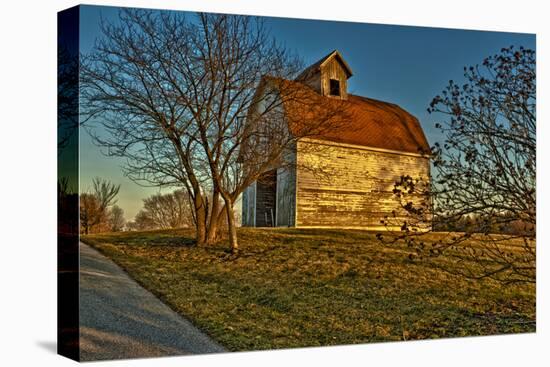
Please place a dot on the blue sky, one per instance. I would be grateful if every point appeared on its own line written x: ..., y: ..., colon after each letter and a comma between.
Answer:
x: 399, y: 64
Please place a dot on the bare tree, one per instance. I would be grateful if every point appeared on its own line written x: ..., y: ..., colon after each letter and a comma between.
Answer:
x: 116, y: 219
x: 67, y: 96
x: 105, y: 192
x: 141, y: 222
x: 246, y: 129
x: 484, y: 173
x: 125, y: 82
x: 94, y: 206
x: 89, y: 212
x: 166, y: 211
x: 182, y: 100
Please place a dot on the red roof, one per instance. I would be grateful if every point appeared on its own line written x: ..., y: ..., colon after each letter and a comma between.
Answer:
x: 364, y: 121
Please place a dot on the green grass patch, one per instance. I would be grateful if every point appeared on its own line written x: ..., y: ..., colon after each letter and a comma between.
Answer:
x: 300, y: 288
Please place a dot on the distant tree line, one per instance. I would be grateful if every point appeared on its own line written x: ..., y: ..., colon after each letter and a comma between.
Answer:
x: 100, y: 213
x: 492, y: 224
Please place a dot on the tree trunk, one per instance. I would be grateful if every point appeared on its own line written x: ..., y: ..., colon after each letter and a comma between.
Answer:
x: 216, y: 225
x: 200, y: 214
x: 232, y: 229
x: 213, y: 223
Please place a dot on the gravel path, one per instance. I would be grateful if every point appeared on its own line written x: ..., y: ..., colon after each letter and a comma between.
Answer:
x: 120, y: 319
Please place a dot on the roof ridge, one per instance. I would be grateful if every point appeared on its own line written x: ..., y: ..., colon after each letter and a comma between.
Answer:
x: 376, y: 100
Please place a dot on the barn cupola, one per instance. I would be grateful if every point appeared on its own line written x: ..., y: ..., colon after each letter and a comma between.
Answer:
x: 328, y: 76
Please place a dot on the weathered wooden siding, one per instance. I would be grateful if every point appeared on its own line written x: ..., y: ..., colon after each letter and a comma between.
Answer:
x: 343, y: 186
x: 286, y: 197
x: 333, y: 69
x: 265, y: 199
x: 244, y: 208
x: 248, y: 206
x: 314, y: 81
x: 320, y: 81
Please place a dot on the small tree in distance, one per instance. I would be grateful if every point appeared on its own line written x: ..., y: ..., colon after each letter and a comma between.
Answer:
x: 165, y: 211
x: 484, y: 177
x: 94, y: 205
x: 116, y: 219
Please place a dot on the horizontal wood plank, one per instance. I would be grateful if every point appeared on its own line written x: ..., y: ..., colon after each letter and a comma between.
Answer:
x: 341, y: 186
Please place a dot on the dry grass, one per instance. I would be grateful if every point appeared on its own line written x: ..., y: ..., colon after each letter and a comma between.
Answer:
x: 298, y: 288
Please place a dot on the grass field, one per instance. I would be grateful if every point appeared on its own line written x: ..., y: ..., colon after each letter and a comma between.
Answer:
x: 298, y: 288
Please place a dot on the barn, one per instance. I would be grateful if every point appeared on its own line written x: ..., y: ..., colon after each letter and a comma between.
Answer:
x: 379, y: 143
